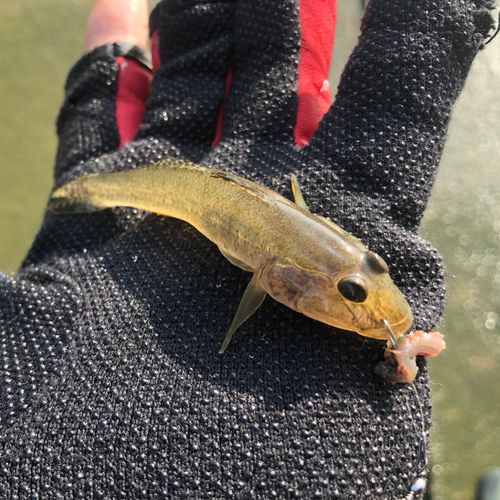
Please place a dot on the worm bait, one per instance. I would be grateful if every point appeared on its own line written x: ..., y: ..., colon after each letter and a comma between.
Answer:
x: 400, y: 364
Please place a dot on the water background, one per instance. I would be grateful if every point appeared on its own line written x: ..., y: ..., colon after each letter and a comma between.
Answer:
x: 39, y: 41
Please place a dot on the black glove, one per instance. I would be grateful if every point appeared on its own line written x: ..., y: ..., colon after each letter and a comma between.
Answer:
x: 111, y: 382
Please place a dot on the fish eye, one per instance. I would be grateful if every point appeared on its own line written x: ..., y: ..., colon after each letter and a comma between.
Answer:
x: 375, y: 263
x: 353, y: 289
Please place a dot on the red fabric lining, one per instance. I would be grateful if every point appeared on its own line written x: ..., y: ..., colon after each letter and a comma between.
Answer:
x: 317, y: 19
x: 134, y: 86
x: 220, y: 119
x: 155, y: 51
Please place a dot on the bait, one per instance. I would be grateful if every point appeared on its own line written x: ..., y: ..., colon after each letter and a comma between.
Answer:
x: 303, y: 261
x: 400, y: 360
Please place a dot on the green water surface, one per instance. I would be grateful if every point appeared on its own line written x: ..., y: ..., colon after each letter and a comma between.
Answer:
x: 39, y: 41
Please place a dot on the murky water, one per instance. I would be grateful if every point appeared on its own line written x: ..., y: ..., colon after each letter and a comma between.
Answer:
x: 463, y: 220
x: 40, y: 39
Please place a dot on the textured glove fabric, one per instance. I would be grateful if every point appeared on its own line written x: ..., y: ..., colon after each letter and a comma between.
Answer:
x: 111, y: 385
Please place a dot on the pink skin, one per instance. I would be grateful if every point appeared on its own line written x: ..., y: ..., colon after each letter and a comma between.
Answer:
x: 400, y: 364
x: 117, y: 21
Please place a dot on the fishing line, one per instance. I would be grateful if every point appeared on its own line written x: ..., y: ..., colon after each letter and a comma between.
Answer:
x: 422, y: 447
x: 496, y: 31
x: 422, y: 458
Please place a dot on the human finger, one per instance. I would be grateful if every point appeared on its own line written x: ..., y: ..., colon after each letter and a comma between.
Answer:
x: 117, y: 21
x: 282, y: 55
x: 106, y: 90
x: 192, y: 45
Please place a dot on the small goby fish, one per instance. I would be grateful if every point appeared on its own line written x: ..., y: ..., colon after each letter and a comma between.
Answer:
x: 303, y: 261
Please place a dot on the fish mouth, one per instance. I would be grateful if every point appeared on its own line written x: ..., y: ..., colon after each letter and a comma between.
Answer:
x: 382, y: 332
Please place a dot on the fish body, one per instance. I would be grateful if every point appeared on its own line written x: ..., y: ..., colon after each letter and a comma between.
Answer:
x: 303, y: 261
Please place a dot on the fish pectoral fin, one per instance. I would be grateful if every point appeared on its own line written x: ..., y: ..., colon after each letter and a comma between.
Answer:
x: 252, y: 298
x: 236, y: 262
x: 297, y: 193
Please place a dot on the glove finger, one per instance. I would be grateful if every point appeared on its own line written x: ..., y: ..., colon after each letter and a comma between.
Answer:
x: 282, y: 56
x: 191, y: 43
x: 106, y: 92
x: 372, y: 162
x: 384, y: 135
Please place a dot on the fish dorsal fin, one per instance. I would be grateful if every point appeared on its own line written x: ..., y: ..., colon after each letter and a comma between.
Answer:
x: 252, y: 298
x: 348, y: 236
x: 236, y: 262
x: 299, y: 201
x: 250, y: 187
x: 297, y: 193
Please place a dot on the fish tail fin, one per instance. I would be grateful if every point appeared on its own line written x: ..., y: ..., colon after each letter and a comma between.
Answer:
x: 72, y: 198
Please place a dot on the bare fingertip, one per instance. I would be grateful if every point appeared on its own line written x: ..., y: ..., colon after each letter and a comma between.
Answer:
x: 114, y: 21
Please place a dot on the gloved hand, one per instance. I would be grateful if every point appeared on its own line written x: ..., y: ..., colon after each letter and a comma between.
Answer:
x: 111, y: 383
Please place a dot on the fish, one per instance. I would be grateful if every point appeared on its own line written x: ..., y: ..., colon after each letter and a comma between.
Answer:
x: 301, y: 260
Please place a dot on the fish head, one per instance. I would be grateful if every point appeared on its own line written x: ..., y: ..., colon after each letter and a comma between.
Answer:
x: 356, y: 298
